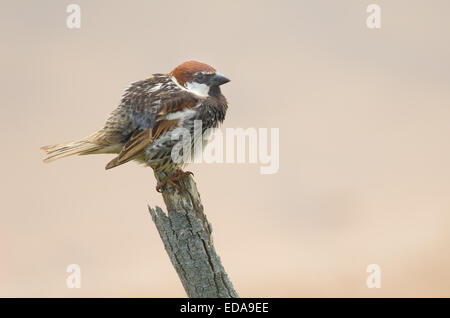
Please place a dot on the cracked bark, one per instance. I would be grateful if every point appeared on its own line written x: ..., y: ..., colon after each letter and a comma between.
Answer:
x: 186, y: 234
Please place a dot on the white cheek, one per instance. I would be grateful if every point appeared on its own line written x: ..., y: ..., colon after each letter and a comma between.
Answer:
x: 198, y: 89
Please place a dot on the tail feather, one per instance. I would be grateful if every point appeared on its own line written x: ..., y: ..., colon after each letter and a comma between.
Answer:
x: 80, y: 147
x: 74, y: 148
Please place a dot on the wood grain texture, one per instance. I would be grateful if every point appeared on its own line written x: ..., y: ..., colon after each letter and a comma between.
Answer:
x: 186, y: 234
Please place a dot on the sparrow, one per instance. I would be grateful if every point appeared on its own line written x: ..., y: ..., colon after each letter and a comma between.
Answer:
x: 150, y: 111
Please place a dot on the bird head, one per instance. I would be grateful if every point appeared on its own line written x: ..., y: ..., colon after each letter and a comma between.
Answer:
x: 199, y: 78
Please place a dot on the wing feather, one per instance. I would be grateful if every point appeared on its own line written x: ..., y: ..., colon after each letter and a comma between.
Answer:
x: 141, y: 139
x: 170, y: 102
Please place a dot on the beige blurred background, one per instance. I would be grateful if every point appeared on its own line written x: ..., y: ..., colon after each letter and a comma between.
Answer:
x: 364, y: 172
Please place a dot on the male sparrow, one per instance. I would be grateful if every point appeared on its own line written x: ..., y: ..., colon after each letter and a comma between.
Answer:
x: 141, y: 127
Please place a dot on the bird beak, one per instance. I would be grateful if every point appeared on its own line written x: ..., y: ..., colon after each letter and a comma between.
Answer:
x: 218, y: 79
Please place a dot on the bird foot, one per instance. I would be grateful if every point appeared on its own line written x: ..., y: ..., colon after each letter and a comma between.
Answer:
x: 177, y: 176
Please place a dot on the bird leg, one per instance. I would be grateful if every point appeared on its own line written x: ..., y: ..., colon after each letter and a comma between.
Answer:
x: 177, y: 176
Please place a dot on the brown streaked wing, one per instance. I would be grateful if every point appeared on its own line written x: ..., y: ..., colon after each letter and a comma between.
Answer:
x: 179, y: 102
x: 140, y: 140
x: 133, y: 146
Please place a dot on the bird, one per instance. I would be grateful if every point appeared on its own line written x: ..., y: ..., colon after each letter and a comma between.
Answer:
x: 150, y: 111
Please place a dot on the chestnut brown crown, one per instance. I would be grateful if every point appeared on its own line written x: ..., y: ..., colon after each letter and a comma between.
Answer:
x: 193, y: 71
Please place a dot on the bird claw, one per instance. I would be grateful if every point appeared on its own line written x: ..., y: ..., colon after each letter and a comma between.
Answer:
x: 177, y: 176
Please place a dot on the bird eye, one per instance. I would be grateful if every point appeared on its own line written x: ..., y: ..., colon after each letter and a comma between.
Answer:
x: 200, y: 76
